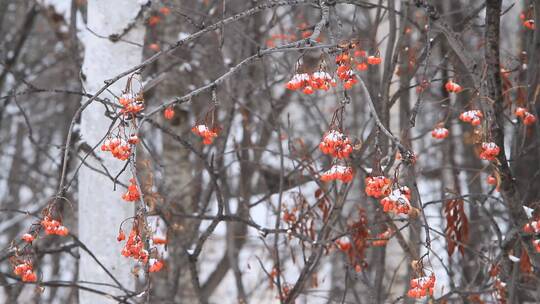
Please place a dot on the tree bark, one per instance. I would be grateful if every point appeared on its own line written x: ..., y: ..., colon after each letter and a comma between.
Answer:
x: 101, y: 210
x: 508, y: 186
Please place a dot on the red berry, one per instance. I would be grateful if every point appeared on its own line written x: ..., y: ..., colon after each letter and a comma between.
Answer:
x: 169, y: 113
x: 27, y: 237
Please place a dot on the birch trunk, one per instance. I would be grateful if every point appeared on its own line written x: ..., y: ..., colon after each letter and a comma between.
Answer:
x: 101, y: 210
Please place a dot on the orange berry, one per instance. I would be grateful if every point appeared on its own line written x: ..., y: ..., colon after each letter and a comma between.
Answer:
x: 121, y: 236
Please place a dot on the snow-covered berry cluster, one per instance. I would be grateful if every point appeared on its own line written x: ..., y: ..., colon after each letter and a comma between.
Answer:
x: 398, y: 201
x: 489, y: 151
x: 134, y: 246
x: 453, y: 87
x: 131, y: 104
x: 378, y: 186
x: 533, y: 228
x: 440, y: 132
x: 527, y: 118
x: 119, y: 147
x: 206, y: 133
x: 422, y: 286
x: 55, y: 227
x: 319, y: 80
x: 25, y: 270
x: 336, y: 144
x: 338, y: 172
x: 474, y: 117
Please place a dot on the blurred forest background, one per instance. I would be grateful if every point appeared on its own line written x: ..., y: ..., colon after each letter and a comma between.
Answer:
x: 247, y: 218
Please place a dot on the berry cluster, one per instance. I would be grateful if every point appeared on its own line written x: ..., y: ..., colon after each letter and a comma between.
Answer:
x: 474, y: 117
x: 536, y: 244
x: 300, y: 81
x: 378, y: 186
x: 500, y: 286
x: 156, y: 265
x: 355, y: 244
x: 374, y: 60
x: 345, y: 62
x: 383, y: 238
x: 336, y: 144
x: 362, y: 66
x: 527, y: 118
x: 119, y: 148
x: 422, y: 286
x: 440, y: 132
x: 490, y: 150
x: 158, y: 240
x: 119, y: 141
x: 131, y: 104
x: 25, y: 270
x: 533, y: 228
x: 207, y: 134
x: 132, y: 193
x: 338, y: 172
x: 134, y: 246
x: 500, y: 291
x: 290, y: 216
x: 343, y: 243
x: 319, y: 80
x: 346, y: 74
x: 52, y: 226
x: 527, y: 21
x: 155, y: 18
x: 398, y: 201
x: 453, y: 87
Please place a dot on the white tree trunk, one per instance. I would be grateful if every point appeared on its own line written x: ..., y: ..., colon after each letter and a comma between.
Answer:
x: 101, y: 210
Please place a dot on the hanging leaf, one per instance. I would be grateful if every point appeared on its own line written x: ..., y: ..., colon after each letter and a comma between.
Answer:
x: 457, y: 226
x: 525, y: 263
